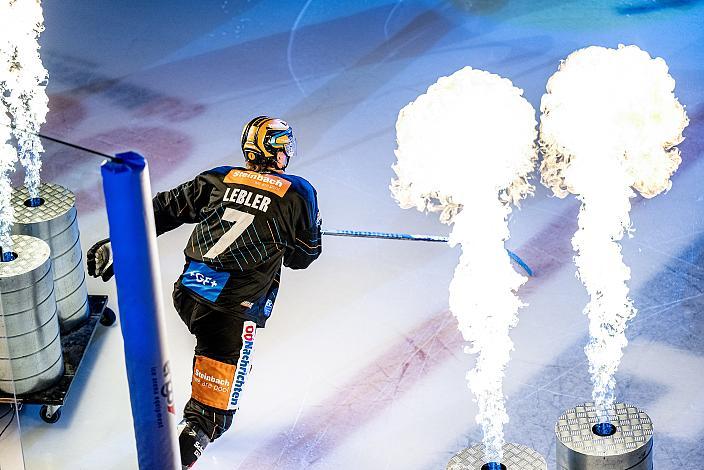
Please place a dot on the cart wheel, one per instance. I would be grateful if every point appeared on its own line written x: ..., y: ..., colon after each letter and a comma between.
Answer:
x: 50, y: 414
x: 108, y: 318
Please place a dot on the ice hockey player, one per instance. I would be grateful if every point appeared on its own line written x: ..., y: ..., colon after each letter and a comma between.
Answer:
x: 248, y: 221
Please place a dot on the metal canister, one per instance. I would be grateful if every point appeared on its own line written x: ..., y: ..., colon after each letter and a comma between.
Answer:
x: 624, y: 442
x: 30, y: 344
x: 52, y: 217
x: 516, y: 457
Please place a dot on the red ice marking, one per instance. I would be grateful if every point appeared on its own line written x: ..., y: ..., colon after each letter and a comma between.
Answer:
x: 362, y: 398
x: 164, y: 149
x: 139, y: 100
x: 170, y: 108
x: 65, y: 113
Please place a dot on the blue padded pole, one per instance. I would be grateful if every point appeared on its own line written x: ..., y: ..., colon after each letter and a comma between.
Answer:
x: 133, y: 237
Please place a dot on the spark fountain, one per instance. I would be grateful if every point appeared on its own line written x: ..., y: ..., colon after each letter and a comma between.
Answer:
x: 465, y: 149
x: 610, y: 125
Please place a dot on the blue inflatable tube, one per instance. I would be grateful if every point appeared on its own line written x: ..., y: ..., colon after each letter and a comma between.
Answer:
x: 133, y: 237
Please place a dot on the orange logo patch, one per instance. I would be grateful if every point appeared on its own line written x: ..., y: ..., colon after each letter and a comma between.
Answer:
x: 212, y: 382
x: 270, y: 183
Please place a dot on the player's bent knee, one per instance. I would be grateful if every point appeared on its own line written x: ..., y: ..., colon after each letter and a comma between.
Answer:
x: 211, y: 421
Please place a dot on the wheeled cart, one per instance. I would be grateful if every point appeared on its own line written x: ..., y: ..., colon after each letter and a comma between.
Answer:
x: 74, y: 345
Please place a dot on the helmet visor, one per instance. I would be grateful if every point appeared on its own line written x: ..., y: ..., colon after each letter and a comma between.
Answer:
x: 286, y: 141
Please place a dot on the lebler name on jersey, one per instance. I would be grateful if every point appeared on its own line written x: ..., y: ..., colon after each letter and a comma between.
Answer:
x: 240, y: 196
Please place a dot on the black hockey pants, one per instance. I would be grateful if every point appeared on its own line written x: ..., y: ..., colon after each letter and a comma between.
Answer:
x: 220, y: 366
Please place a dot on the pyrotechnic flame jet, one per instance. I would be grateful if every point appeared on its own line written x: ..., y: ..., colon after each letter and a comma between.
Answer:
x: 8, y: 157
x: 610, y: 122
x: 465, y: 149
x: 8, y: 153
x: 23, y: 88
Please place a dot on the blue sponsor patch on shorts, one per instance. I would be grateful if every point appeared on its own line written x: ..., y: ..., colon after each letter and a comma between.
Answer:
x: 204, y: 280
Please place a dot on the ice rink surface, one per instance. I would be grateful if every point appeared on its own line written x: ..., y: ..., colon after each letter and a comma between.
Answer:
x: 361, y: 366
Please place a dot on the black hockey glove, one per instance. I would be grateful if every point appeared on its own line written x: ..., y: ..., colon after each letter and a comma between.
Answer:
x: 100, y: 260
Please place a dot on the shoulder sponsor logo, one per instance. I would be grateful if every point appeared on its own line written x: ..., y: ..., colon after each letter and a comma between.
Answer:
x: 271, y: 183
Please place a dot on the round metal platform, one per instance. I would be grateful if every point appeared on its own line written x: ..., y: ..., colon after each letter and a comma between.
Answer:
x: 629, y: 447
x: 55, y: 222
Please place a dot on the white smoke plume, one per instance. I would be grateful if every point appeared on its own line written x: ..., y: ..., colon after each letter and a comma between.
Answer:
x: 465, y: 149
x: 23, y: 83
x: 610, y: 123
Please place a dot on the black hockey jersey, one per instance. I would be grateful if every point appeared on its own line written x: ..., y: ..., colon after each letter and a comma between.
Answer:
x: 248, y: 223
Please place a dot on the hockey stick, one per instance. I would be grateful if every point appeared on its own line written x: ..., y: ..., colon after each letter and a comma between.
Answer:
x: 414, y: 238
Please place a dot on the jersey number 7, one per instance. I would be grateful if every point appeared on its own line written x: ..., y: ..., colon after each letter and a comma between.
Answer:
x: 241, y: 220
